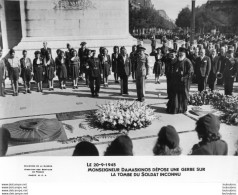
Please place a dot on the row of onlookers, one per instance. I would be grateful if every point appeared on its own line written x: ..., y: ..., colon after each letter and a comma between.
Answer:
x: 168, y: 142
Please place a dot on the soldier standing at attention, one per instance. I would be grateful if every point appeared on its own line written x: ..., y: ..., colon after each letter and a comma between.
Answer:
x: 94, y: 71
x: 141, y: 69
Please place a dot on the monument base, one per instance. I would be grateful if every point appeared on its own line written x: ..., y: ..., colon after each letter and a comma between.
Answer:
x: 36, y: 43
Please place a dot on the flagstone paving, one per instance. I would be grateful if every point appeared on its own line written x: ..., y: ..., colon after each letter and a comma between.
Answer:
x: 48, y: 104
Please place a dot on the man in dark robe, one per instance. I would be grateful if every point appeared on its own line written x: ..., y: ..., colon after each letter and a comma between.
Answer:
x: 181, y: 73
x: 168, y: 70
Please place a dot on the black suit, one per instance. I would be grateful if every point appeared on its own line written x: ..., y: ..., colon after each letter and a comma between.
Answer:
x: 124, y: 70
x: 83, y: 55
x: 230, y: 72
x: 45, y: 52
x: 203, y: 67
x: 94, y: 73
x: 213, y: 72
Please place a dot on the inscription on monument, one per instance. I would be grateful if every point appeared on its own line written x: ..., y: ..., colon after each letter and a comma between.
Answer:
x: 73, y: 4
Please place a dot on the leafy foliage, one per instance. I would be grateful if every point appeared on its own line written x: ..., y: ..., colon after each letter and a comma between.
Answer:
x: 209, y: 17
x: 184, y: 18
x: 148, y: 18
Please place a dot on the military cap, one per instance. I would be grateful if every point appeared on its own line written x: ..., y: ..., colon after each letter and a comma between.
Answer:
x: 181, y: 49
x: 172, y: 51
x: 141, y: 48
x: 83, y: 43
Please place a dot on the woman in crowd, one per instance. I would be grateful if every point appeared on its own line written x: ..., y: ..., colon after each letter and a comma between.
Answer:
x: 158, y: 65
x: 38, y: 70
x: 121, y: 146
x: 167, y: 142
x: 26, y: 71
x: 61, y: 69
x: 13, y: 64
x: 50, y: 71
x: 115, y: 62
x: 208, y: 132
x: 74, y: 64
x: 106, y: 65
x: 85, y: 148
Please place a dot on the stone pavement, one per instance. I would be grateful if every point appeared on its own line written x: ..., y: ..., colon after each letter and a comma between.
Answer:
x: 48, y: 104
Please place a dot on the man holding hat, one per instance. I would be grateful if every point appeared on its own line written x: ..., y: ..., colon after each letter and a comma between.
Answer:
x: 94, y: 72
x: 203, y: 66
x: 230, y: 71
x: 141, y: 70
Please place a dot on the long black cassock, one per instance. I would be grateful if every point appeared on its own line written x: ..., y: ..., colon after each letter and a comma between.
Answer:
x: 179, y: 90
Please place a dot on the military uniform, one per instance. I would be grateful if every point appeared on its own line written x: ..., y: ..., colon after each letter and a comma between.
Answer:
x: 229, y: 74
x: 94, y: 72
x: 141, y: 70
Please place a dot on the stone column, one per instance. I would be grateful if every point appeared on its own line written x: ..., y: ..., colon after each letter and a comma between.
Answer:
x: 3, y: 27
x: 23, y: 18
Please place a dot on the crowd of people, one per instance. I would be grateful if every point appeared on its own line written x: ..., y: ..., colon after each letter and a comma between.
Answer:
x: 168, y: 142
x: 73, y: 65
x: 212, y: 61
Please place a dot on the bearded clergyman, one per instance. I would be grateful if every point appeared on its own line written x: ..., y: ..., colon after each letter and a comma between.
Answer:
x: 180, y: 73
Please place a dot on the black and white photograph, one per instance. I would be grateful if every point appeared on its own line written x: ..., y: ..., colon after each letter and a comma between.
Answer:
x: 98, y: 78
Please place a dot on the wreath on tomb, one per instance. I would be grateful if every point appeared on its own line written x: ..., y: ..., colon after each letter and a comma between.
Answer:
x: 227, y: 105
x: 124, y: 114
